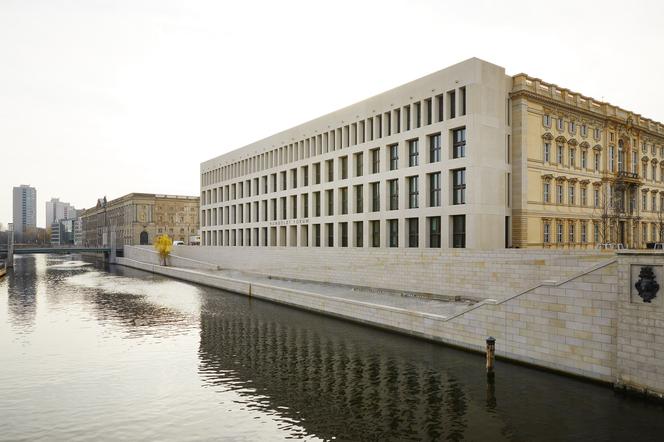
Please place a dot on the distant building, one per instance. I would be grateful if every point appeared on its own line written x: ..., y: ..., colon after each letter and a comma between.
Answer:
x: 25, y: 212
x: 63, y: 232
x: 57, y: 210
x: 78, y: 231
x: 137, y: 218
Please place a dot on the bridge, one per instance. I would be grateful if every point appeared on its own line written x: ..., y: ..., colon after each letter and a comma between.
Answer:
x: 27, y: 250
x: 110, y: 252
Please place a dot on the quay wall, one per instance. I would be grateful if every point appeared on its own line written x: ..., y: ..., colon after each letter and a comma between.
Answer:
x: 450, y: 272
x: 591, y: 323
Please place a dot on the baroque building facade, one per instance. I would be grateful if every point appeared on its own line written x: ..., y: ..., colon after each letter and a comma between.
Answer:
x: 467, y: 157
x: 137, y: 218
x: 585, y: 172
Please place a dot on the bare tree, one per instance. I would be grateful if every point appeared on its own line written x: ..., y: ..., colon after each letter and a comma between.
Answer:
x: 606, y: 213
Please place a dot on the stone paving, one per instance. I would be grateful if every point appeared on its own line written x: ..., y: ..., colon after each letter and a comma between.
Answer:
x: 442, y: 307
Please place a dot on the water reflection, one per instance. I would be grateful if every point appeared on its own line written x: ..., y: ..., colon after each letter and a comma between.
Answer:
x: 22, y: 292
x: 129, y: 355
x: 339, y: 380
x: 330, y: 384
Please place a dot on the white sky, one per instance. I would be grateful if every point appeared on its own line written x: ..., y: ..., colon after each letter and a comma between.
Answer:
x: 109, y: 97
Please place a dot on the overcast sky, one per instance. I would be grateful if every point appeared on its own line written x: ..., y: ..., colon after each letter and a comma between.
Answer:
x: 111, y: 97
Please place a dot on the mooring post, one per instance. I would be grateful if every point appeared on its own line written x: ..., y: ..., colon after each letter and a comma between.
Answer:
x: 10, y: 251
x: 490, y: 354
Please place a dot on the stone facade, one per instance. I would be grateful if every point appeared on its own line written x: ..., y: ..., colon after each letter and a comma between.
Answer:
x: 640, y: 341
x: 437, y: 272
x: 137, y: 218
x: 465, y: 157
x: 423, y: 165
x: 585, y: 172
x: 588, y: 323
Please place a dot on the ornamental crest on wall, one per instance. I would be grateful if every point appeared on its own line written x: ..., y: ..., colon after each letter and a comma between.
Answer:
x: 646, y: 285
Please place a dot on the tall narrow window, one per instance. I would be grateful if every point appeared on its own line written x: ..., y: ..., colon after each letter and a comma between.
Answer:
x: 375, y: 160
x: 559, y: 193
x: 451, y: 103
x: 434, y: 189
x: 344, y: 167
x: 434, y: 148
x: 413, y: 232
x: 547, y: 152
x: 584, y: 158
x: 459, y: 143
x: 458, y: 231
x: 330, y: 234
x: 375, y: 233
x: 459, y: 186
x: 316, y: 203
x: 344, y: 234
x: 559, y: 154
x: 393, y: 228
x: 439, y: 106
x: 330, y: 201
x: 462, y: 104
x: 344, y: 200
x: 406, y: 110
x: 434, y: 231
x: 547, y: 188
x: 611, y: 157
x: 413, y: 192
x: 316, y: 235
x: 359, y: 198
x: 559, y: 233
x: 330, y: 170
x: 547, y: 233
x: 375, y: 197
x: 394, y: 156
x: 394, y: 194
x: 359, y: 164
x: 413, y: 153
x: 584, y: 196
x: 429, y: 110
x: 359, y: 233
x: 317, y: 173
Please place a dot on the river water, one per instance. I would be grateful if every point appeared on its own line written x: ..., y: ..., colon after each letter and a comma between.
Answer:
x: 92, y: 352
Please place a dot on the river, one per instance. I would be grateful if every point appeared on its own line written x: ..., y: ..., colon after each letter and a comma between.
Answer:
x: 91, y: 351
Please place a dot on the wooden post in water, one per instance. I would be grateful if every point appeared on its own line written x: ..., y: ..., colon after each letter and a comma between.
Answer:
x: 490, y: 355
x: 10, y: 251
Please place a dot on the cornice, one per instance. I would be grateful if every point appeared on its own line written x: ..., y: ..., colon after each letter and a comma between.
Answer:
x: 593, y: 114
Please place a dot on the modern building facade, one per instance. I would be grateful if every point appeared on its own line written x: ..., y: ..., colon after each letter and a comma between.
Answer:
x: 58, y: 210
x: 137, y: 218
x: 423, y: 165
x: 63, y: 232
x: 466, y: 157
x: 24, y: 211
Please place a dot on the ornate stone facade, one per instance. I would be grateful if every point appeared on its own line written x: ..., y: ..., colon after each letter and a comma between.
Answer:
x: 585, y: 172
x: 138, y: 217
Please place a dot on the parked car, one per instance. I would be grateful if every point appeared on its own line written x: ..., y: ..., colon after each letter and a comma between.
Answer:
x: 178, y: 243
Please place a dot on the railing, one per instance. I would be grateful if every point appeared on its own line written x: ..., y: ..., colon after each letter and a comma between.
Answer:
x: 624, y: 174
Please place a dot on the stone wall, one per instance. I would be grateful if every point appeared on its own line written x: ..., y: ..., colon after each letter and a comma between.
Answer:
x: 640, y: 343
x: 460, y: 272
x: 591, y: 323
